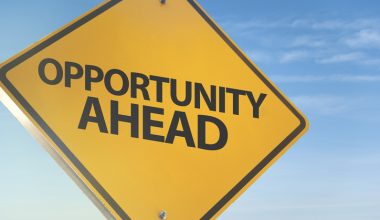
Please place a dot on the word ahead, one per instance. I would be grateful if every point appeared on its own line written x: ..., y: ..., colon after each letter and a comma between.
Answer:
x: 52, y: 72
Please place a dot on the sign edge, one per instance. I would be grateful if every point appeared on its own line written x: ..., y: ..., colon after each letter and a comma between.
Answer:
x: 298, y: 132
x: 9, y: 89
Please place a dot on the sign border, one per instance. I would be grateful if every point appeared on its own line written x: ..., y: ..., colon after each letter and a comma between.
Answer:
x: 223, y: 202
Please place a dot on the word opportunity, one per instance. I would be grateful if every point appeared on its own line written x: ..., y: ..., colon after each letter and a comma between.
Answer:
x: 136, y: 85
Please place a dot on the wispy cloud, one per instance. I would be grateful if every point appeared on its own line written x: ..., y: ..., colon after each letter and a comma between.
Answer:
x: 358, y: 58
x: 339, y: 106
x: 293, y: 56
x: 321, y: 104
x: 371, y: 61
x: 367, y: 38
x: 302, y: 23
x: 334, y: 41
x: 308, y: 41
x: 260, y: 56
x: 342, y: 78
x: 340, y: 58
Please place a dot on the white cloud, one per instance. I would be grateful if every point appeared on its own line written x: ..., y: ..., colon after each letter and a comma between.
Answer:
x: 308, y: 41
x: 339, y: 106
x: 365, y: 38
x: 346, y: 57
x: 334, y: 41
x: 328, y: 24
x: 332, y: 24
x: 359, y: 58
x: 253, y: 24
x: 322, y: 105
x: 293, y: 56
x: 371, y: 62
x: 260, y: 56
x: 342, y: 78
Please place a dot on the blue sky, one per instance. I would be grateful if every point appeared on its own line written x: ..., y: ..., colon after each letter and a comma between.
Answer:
x: 324, y: 55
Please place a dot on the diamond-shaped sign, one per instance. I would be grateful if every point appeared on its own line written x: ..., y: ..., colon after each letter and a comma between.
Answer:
x: 152, y: 109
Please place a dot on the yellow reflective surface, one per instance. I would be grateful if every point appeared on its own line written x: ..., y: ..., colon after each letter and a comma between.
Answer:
x: 144, y: 177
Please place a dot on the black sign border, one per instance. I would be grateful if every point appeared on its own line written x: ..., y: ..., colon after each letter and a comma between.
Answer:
x: 91, y: 179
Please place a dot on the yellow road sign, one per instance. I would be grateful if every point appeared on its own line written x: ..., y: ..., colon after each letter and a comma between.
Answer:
x: 151, y: 109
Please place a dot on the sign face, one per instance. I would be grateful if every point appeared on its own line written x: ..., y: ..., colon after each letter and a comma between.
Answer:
x: 152, y: 109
